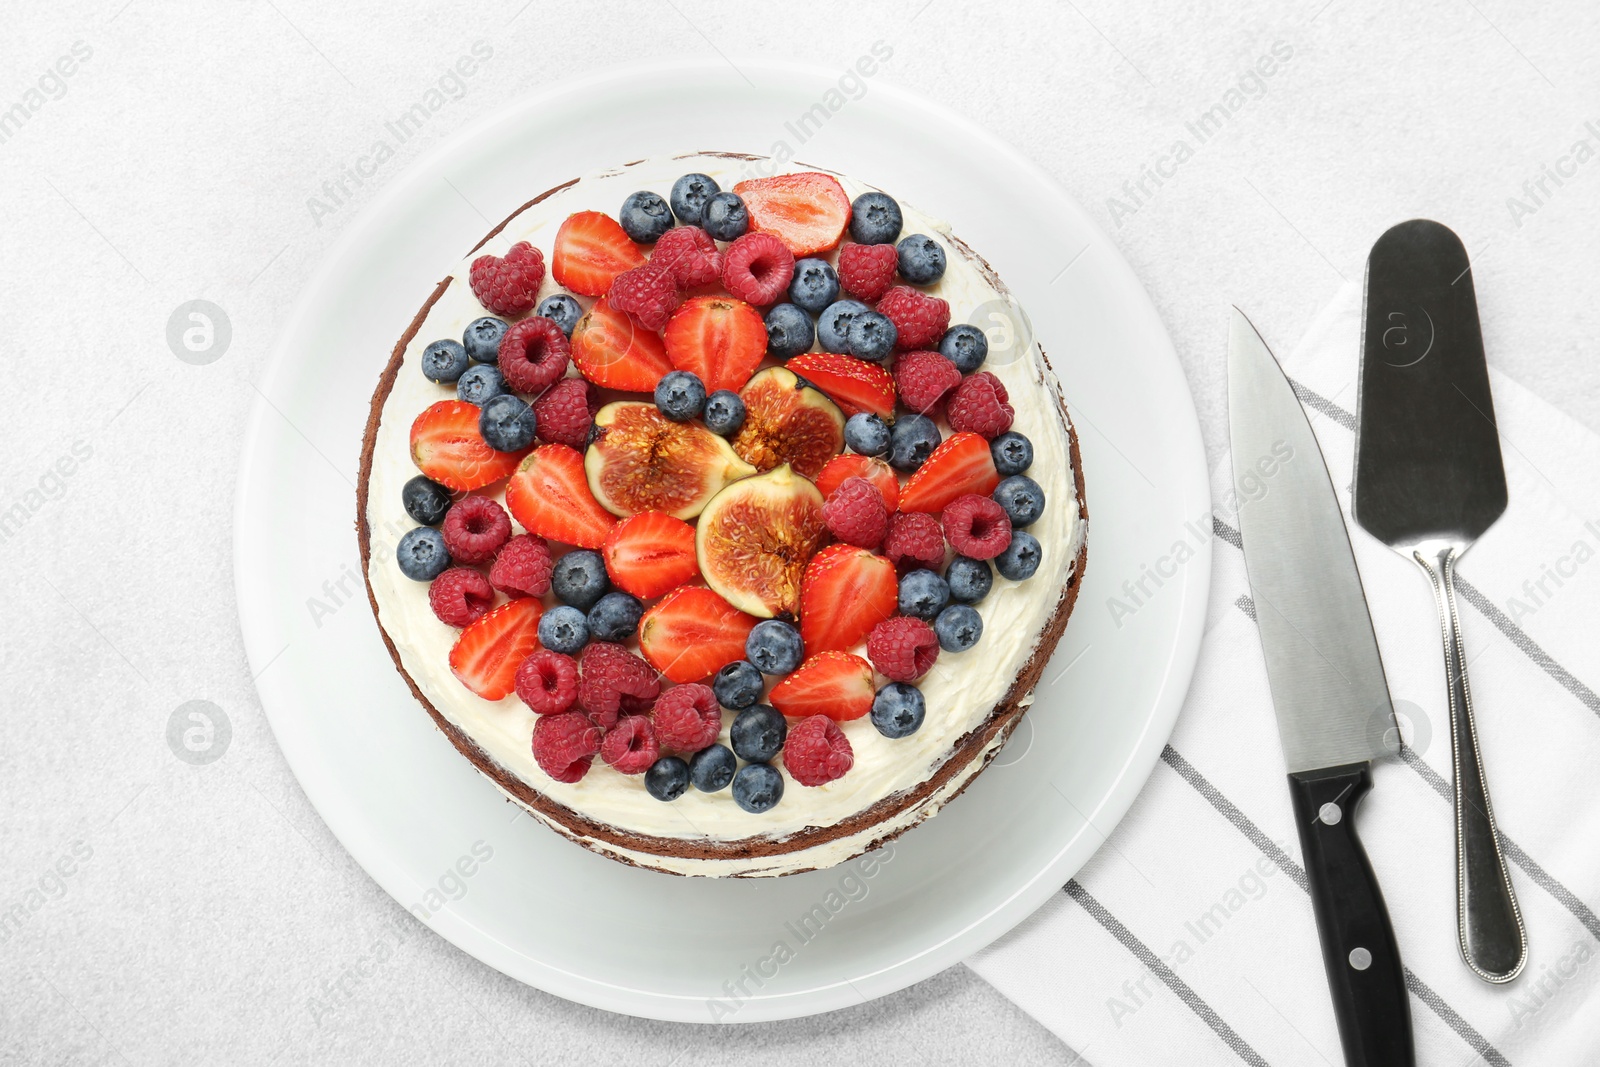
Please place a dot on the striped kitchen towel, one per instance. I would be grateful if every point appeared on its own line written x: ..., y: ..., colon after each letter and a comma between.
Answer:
x: 1189, y: 938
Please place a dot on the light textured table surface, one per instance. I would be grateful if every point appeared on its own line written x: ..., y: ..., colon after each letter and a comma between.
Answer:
x: 207, y: 908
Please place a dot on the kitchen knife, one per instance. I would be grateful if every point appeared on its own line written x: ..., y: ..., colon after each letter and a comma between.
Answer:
x: 1429, y: 481
x: 1328, y: 690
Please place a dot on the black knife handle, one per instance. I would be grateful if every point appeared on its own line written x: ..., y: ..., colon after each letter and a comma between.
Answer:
x: 1365, y: 975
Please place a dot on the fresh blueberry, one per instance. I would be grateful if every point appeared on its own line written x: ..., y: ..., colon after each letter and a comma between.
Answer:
x: 959, y: 626
x: 897, y: 710
x: 912, y: 441
x: 1012, y: 452
x: 969, y: 579
x: 564, y: 629
x: 444, y: 361
x: 774, y: 647
x: 874, y: 219
x: 562, y: 310
x: 425, y: 500
x: 712, y: 768
x: 815, y: 285
x: 481, y: 383
x: 923, y: 594
x: 1021, y: 557
x: 833, y: 325
x: 482, y: 338
x: 757, y: 787
x: 1022, y: 499
x: 689, y: 196
x: 966, y: 346
x: 758, y: 733
x: 507, y: 423
x: 645, y: 216
x: 680, y: 395
x: 724, y: 412
x: 789, y: 331
x: 725, y: 217
x: 667, y: 778
x: 738, y: 685
x: 422, y: 554
x: 870, y: 336
x: 866, y: 433
x: 921, y: 259
x: 580, y: 578
x: 615, y: 617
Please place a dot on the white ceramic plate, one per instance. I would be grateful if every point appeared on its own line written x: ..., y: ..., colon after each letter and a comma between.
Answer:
x: 417, y: 816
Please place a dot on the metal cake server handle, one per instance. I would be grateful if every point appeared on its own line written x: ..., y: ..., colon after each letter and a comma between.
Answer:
x: 1493, y: 941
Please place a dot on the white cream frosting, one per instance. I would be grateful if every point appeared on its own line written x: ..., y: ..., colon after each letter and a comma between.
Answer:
x: 960, y: 691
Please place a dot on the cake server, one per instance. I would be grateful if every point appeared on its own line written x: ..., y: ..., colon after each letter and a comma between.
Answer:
x: 1429, y: 481
x: 1328, y: 690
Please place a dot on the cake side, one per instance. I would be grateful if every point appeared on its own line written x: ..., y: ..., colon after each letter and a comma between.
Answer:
x: 797, y: 846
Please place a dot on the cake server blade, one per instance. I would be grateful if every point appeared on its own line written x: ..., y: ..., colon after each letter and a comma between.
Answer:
x: 1328, y: 689
x: 1429, y: 480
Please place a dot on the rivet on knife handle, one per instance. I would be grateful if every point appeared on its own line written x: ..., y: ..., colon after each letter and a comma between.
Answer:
x: 1493, y: 940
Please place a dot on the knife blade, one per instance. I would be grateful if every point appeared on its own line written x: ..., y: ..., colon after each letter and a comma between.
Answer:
x: 1328, y: 690
x: 1429, y: 481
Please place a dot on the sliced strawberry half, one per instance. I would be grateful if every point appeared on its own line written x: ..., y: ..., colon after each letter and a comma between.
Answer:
x: 615, y: 352
x: 851, y: 465
x: 487, y: 654
x: 591, y: 250
x: 650, y: 554
x: 854, y: 384
x: 720, y: 339
x: 961, y: 465
x: 693, y: 634
x: 835, y: 684
x: 808, y: 212
x: 845, y: 592
x: 447, y: 447
x: 550, y: 496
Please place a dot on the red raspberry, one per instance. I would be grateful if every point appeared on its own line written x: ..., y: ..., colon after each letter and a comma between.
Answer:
x: 648, y: 293
x: 902, y: 648
x: 533, y: 355
x: 460, y: 596
x: 866, y: 271
x: 690, y: 254
x: 474, y: 529
x: 919, y: 319
x: 548, y: 682
x: 757, y: 268
x: 509, y: 285
x: 855, y: 513
x: 816, y: 750
x: 977, y: 526
x: 565, y: 413
x: 523, y: 566
x: 914, y: 538
x: 565, y: 745
x: 615, y: 681
x: 980, y: 405
x: 923, y: 378
x: 631, y: 746
x: 687, y: 717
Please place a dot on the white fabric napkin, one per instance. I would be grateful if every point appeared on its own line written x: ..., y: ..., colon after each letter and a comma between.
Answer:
x: 1189, y: 938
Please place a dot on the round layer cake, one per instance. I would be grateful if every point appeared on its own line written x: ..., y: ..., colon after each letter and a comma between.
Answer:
x: 830, y: 588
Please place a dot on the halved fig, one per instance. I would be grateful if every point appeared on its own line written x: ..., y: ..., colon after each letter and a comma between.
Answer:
x: 643, y: 461
x: 754, y: 539
x: 788, y: 421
